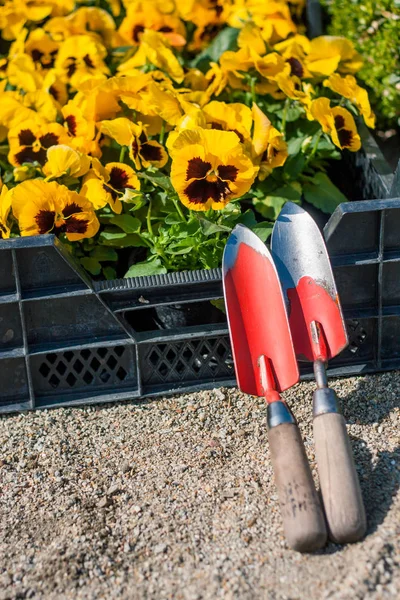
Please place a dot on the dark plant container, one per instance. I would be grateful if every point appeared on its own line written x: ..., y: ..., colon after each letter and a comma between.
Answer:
x: 66, y: 340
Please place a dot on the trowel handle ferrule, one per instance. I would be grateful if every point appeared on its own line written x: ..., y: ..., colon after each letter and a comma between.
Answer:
x: 325, y: 400
x: 278, y: 413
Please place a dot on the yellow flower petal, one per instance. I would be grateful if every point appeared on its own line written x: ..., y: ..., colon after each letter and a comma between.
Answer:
x: 63, y: 160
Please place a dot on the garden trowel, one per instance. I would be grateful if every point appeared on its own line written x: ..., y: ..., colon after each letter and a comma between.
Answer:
x: 265, y: 365
x: 319, y: 333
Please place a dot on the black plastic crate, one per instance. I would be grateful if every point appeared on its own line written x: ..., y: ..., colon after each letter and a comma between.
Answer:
x: 65, y: 340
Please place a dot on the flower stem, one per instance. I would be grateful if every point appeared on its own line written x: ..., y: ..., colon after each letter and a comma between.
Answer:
x: 315, y: 147
x: 284, y: 116
x: 122, y: 154
x: 162, y: 133
x: 253, y: 89
x: 148, y: 219
x: 179, y: 210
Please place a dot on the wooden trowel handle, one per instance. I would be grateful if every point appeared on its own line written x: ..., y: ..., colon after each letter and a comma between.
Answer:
x: 302, y: 515
x: 340, y: 487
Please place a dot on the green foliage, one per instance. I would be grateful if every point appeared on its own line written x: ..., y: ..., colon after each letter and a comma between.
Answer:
x: 374, y: 27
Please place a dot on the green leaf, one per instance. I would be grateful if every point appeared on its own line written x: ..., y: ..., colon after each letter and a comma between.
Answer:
x: 127, y: 223
x: 209, y: 228
x: 294, y: 145
x: 182, y: 247
x: 220, y: 304
x: 109, y: 273
x: 103, y: 254
x: 271, y: 205
x: 148, y: 267
x: 263, y: 230
x: 294, y: 165
x: 159, y: 179
x: 322, y: 193
x: 119, y: 239
x: 225, y: 40
x: 91, y: 265
x: 172, y: 219
x: 247, y: 218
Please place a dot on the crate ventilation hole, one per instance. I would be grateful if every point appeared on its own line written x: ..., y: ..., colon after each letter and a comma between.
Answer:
x: 170, y: 360
x: 84, y: 367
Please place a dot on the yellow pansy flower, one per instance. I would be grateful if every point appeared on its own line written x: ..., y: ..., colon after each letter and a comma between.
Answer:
x: 29, y: 141
x: 86, y: 20
x: 165, y: 103
x: 217, y: 80
x: 269, y: 147
x: 348, y: 88
x: 63, y: 160
x: 234, y: 117
x: 5, y: 206
x: 154, y: 49
x: 48, y: 207
x: 82, y: 132
x: 14, y: 15
x: 273, y: 18
x: 43, y: 103
x: 42, y: 49
x: 22, y: 73
x: 78, y: 56
x: 107, y: 184
x: 129, y: 89
x: 250, y: 36
x: 53, y: 85
x: 330, y: 53
x: 295, y: 50
x: 137, y: 21
x: 237, y: 64
x: 210, y: 168
x: 338, y: 123
x: 142, y: 151
x: 97, y: 99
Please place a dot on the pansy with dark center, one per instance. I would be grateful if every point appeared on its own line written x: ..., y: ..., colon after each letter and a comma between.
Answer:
x: 71, y: 124
x: 345, y: 135
x: 135, y: 33
x: 296, y: 68
x: 118, y: 182
x: 208, y: 184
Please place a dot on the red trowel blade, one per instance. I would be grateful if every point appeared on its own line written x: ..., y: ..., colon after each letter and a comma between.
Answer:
x: 256, y: 312
x: 302, y: 261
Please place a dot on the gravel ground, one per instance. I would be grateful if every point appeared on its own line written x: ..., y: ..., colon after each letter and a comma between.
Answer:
x: 174, y: 498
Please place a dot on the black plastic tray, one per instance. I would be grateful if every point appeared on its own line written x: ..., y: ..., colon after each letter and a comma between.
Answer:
x: 65, y: 340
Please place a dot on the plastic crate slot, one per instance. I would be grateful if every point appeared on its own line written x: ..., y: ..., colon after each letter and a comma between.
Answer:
x: 88, y: 377
x: 44, y: 369
x: 78, y: 366
x: 105, y: 376
x: 102, y: 352
x: 119, y: 350
x: 61, y: 368
x: 94, y: 363
x: 69, y: 356
x: 112, y: 362
x: 71, y: 379
x: 121, y: 374
x: 54, y: 381
x: 51, y: 358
